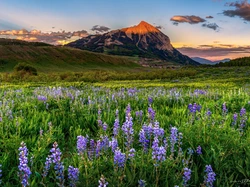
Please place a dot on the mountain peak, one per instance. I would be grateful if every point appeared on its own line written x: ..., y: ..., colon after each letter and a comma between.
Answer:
x: 142, y: 28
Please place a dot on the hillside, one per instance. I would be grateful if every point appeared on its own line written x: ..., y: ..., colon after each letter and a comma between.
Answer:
x: 245, y: 61
x: 48, y: 58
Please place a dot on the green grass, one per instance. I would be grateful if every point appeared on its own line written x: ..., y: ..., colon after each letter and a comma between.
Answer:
x: 61, y: 59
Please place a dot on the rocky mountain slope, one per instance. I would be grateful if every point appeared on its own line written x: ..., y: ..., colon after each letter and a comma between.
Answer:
x: 142, y: 40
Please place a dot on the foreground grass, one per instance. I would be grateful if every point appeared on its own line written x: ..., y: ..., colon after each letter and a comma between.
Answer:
x: 40, y: 116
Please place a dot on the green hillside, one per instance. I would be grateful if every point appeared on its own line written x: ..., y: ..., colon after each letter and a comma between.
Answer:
x: 46, y: 58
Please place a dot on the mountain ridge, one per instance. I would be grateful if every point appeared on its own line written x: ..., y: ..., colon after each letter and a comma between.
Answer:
x: 142, y: 40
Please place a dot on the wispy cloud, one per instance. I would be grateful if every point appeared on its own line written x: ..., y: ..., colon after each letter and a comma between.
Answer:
x: 55, y: 38
x: 101, y: 29
x: 241, y: 9
x: 213, y: 26
x: 187, y: 19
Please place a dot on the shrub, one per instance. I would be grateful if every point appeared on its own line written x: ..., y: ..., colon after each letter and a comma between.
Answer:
x: 25, y: 69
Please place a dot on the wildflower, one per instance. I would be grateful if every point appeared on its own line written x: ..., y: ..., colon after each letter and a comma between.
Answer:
x: 173, y: 138
x: 73, y: 175
x: 82, y: 144
x: 0, y: 173
x: 116, y: 127
x: 24, y: 170
x: 157, y: 130
x: 158, y: 153
x: 198, y: 150
x: 119, y: 158
x: 151, y: 114
x: 113, y: 144
x: 127, y: 128
x: 143, y: 140
x: 150, y: 100
x: 58, y: 167
x: 47, y: 166
x: 41, y: 132
x: 235, y: 116
x: 186, y: 176
x: 209, y: 177
x: 102, y: 182
x: 141, y: 183
x: 209, y: 113
x: 91, y: 148
x: 131, y: 154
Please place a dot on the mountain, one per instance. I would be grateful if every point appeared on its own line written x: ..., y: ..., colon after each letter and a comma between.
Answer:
x: 46, y: 58
x: 202, y: 60
x: 223, y: 60
x: 143, y: 40
x: 209, y: 62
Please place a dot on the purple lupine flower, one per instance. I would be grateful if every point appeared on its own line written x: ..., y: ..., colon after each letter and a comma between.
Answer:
x: 0, y: 174
x: 209, y: 113
x: 173, y: 138
x: 158, y: 153
x: 116, y: 127
x: 128, y: 109
x: 119, y: 158
x: 102, y: 182
x: 113, y: 144
x: 235, y: 117
x: 142, y: 183
x: 139, y: 115
x: 131, y: 154
x: 242, y: 111
x: 157, y: 130
x: 41, y: 98
x: 58, y: 167
x: 209, y: 177
x: 186, y: 176
x: 194, y: 108
x: 46, y: 168
x: 198, y: 150
x: 127, y: 128
x: 104, y: 126
x: 143, y: 140
x: 81, y: 144
x: 24, y: 170
x: 73, y: 175
x: 150, y: 100
x: 91, y: 151
x: 151, y: 114
x: 243, y: 119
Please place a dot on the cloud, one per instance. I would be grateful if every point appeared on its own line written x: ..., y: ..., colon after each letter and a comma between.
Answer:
x: 241, y: 9
x: 159, y: 27
x: 213, y: 26
x: 209, y: 17
x: 216, y: 52
x: 100, y: 28
x: 53, y: 38
x: 187, y: 19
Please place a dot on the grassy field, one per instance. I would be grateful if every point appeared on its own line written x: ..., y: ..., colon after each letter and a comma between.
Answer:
x: 127, y: 131
x: 46, y: 58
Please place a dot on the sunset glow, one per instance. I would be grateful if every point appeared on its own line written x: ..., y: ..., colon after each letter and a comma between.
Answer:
x: 220, y: 25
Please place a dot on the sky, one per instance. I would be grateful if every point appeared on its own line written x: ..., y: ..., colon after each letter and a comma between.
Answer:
x: 212, y: 29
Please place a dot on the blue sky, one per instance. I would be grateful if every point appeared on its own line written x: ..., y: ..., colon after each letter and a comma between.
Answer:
x: 76, y: 15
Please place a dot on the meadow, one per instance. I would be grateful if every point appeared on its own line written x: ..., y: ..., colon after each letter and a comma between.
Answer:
x: 126, y: 133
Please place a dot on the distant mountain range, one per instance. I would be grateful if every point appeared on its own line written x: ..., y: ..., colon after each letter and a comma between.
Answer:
x: 143, y: 41
x: 209, y: 62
